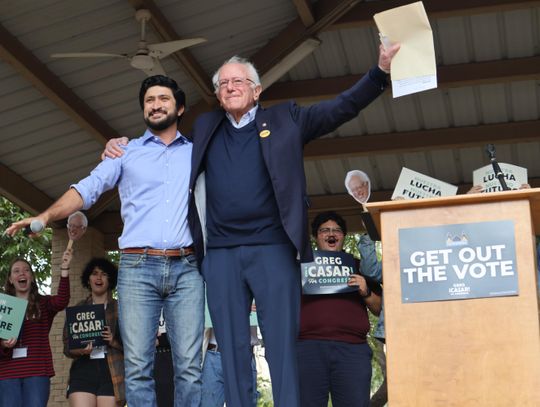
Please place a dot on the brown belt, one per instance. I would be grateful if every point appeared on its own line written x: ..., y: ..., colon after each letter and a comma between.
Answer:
x: 184, y: 251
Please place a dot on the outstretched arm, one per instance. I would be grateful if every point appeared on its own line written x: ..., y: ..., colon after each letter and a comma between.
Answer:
x: 68, y: 203
x: 324, y: 117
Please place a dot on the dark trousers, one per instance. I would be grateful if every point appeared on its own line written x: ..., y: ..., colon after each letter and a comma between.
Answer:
x: 164, y: 378
x: 269, y: 274
x: 340, y: 369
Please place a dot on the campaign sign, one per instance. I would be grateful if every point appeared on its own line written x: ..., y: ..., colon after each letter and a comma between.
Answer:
x: 85, y: 324
x: 414, y: 185
x: 12, y: 312
x: 328, y: 273
x: 514, y: 177
x: 456, y: 262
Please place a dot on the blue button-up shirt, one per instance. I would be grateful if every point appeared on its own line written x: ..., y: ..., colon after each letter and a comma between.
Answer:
x: 153, y: 183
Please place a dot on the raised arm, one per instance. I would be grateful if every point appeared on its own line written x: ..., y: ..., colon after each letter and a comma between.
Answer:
x: 369, y: 264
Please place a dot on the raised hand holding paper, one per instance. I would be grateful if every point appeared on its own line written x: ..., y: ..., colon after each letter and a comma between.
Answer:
x: 414, y: 68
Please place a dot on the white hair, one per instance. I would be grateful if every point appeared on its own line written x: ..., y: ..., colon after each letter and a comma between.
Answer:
x: 252, y: 72
x: 360, y: 174
x: 81, y: 215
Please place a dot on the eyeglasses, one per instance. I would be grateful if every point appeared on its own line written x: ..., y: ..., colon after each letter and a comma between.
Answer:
x: 78, y: 227
x: 236, y: 82
x: 326, y: 231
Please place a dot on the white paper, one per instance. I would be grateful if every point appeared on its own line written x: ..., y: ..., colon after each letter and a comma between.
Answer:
x: 19, y: 353
x: 514, y: 177
x: 98, y: 352
x: 413, y: 85
x: 414, y: 185
x: 414, y: 67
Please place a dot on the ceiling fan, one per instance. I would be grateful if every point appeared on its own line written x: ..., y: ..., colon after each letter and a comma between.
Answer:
x: 147, y: 56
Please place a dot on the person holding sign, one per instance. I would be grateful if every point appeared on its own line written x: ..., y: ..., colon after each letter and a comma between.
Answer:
x: 477, y: 189
x: 333, y: 354
x: 26, y: 364
x: 96, y: 377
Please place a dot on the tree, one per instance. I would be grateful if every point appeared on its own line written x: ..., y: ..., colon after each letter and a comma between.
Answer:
x: 37, y: 251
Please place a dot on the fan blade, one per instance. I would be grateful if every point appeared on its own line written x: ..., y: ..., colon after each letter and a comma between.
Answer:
x: 157, y: 69
x: 87, y: 55
x: 162, y: 49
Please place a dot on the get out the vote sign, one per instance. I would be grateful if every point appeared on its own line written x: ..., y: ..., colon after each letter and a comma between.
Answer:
x: 460, y: 261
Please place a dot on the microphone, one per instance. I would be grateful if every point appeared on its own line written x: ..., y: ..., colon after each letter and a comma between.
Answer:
x: 35, y: 226
x: 490, y: 150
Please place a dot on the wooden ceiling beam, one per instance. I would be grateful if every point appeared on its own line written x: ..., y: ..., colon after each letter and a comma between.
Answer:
x: 362, y: 13
x: 326, y: 12
x: 111, y: 225
x: 31, y: 68
x: 184, y: 58
x: 449, y: 76
x: 344, y: 202
x: 420, y: 140
x: 22, y: 193
x: 303, y: 8
x: 347, y: 207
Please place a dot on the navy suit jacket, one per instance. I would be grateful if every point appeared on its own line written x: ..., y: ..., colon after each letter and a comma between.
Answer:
x: 284, y: 129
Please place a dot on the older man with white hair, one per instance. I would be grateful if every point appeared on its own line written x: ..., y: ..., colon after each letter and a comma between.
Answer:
x: 358, y: 185
x: 76, y: 225
x: 248, y: 213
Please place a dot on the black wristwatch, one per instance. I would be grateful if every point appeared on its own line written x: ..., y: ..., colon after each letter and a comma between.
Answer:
x: 368, y: 293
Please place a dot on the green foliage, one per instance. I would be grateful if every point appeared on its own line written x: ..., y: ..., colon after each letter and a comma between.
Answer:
x: 36, y: 251
x: 113, y: 256
x: 264, y: 388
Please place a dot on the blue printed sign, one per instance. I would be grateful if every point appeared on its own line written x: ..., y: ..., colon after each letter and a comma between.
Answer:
x: 328, y: 273
x: 456, y: 262
x: 85, y: 324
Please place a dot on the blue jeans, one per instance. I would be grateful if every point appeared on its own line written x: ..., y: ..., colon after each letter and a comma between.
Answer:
x: 28, y: 392
x: 213, y: 386
x: 146, y: 284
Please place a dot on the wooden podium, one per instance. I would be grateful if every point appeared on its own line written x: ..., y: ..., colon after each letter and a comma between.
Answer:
x: 463, y: 352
